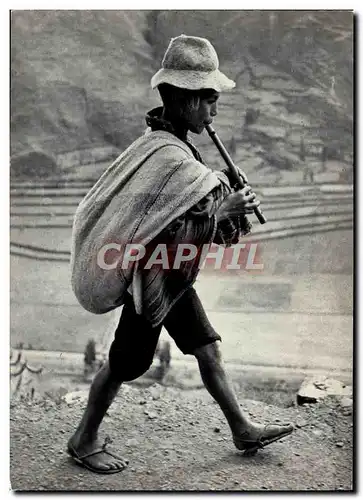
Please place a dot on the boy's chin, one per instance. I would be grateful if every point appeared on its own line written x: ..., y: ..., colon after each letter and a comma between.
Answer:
x: 197, y: 130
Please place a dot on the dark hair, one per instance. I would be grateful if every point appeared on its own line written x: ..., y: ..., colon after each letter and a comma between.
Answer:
x: 171, y: 95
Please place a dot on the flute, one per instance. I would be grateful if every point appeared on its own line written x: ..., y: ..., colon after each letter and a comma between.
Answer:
x: 233, y: 169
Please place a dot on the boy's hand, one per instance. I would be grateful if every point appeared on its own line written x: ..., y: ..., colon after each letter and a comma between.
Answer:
x: 231, y: 180
x: 243, y: 176
x: 239, y: 203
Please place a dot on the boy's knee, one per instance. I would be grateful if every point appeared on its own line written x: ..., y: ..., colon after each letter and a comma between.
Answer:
x: 127, y: 371
x: 124, y: 368
x: 210, y: 354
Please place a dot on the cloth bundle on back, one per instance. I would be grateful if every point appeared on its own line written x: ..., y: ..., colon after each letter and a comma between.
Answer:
x: 153, y: 182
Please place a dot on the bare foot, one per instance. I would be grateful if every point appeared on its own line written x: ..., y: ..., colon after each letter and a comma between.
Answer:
x: 259, y: 436
x: 95, y: 456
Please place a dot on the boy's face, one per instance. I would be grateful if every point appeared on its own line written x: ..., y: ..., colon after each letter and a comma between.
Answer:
x: 199, y: 116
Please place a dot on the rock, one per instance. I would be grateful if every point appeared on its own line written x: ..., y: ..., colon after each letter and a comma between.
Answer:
x: 346, y: 402
x: 75, y: 397
x: 155, y: 391
x: 126, y: 389
x: 132, y: 442
x: 316, y: 389
x: 339, y: 444
x: 301, y: 423
x: 150, y: 414
x: 216, y: 429
x: 317, y: 432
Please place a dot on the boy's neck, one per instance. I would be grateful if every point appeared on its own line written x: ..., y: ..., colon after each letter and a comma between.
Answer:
x: 180, y: 129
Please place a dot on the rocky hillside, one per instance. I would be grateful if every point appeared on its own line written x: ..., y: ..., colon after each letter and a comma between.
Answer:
x: 80, y: 86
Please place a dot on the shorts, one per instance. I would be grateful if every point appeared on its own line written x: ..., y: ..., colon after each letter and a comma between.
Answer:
x: 133, y: 348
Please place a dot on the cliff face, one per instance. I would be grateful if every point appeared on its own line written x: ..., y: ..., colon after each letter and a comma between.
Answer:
x: 80, y: 85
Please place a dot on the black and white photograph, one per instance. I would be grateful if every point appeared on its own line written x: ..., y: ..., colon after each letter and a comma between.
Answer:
x: 182, y: 201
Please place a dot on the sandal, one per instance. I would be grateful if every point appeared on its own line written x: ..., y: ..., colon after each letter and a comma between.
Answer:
x: 269, y: 434
x: 81, y: 459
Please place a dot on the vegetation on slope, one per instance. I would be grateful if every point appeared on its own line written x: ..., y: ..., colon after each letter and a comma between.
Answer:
x: 80, y: 81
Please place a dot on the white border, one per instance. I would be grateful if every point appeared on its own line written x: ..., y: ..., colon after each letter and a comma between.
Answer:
x: 4, y: 198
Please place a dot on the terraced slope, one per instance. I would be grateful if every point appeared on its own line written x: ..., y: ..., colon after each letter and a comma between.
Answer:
x: 80, y: 87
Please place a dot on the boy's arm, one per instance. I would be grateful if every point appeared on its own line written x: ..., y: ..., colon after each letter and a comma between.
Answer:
x: 230, y: 229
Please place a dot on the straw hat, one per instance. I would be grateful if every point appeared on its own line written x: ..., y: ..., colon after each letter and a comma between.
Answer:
x: 191, y: 63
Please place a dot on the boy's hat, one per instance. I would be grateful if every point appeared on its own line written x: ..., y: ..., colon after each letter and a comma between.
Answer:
x: 191, y: 63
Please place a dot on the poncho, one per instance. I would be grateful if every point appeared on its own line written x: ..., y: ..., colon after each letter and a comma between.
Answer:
x: 152, y: 183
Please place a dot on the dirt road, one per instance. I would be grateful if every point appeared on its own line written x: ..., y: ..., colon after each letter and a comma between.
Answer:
x: 177, y: 440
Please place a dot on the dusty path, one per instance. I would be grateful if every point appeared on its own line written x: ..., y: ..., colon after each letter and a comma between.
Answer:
x: 178, y: 440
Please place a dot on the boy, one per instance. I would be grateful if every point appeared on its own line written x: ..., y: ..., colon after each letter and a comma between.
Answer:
x: 160, y: 191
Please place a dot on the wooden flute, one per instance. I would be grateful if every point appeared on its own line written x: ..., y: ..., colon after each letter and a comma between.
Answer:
x: 233, y: 169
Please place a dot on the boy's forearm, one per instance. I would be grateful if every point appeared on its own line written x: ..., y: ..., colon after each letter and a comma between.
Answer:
x: 221, y: 213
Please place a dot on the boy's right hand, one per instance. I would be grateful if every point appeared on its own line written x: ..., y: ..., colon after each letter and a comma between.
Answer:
x: 239, y: 203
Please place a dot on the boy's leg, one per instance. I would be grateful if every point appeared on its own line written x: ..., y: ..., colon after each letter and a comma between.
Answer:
x: 131, y: 354
x: 189, y: 326
x: 84, y: 441
x: 219, y: 387
x: 216, y: 382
